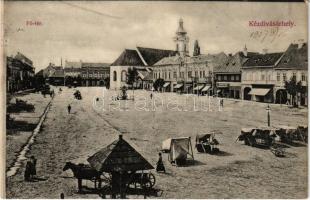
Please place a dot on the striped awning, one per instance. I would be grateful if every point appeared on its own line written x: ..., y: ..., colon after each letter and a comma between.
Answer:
x: 199, y: 87
x: 206, y: 88
x: 177, y: 86
x: 259, y: 91
x: 166, y: 85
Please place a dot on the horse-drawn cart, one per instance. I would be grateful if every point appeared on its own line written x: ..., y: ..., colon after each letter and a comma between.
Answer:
x: 118, y: 167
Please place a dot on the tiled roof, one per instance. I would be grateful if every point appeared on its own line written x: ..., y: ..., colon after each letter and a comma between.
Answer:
x: 234, y: 63
x: 69, y: 64
x: 85, y: 64
x: 261, y: 60
x: 129, y: 57
x: 294, y: 57
x: 214, y: 58
x: 151, y: 56
x: 169, y: 61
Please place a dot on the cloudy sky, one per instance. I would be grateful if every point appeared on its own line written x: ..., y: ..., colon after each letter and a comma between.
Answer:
x: 99, y: 31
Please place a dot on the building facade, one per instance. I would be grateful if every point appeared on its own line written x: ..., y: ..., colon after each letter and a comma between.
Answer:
x: 94, y: 74
x: 185, y: 74
x: 20, y: 73
x: 140, y: 58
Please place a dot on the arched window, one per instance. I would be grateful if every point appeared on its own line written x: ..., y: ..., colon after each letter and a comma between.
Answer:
x: 123, y: 76
x: 114, y: 76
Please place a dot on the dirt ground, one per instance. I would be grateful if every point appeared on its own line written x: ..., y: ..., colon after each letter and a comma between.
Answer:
x: 238, y: 172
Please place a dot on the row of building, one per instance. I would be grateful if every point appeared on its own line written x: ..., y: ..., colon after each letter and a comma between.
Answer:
x: 76, y: 73
x: 19, y: 73
x: 244, y: 75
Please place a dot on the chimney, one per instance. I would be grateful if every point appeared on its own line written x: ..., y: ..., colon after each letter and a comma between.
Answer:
x: 265, y: 51
x: 120, y: 137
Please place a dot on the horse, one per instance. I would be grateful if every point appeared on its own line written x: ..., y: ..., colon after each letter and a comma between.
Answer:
x: 82, y: 171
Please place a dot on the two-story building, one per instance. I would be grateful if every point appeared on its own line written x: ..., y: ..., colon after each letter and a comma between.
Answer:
x: 94, y: 74
x: 259, y: 77
x: 228, y: 75
x: 294, y: 63
x: 184, y: 73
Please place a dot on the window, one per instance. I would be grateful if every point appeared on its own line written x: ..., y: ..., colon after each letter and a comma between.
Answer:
x: 124, y: 76
x: 169, y: 74
x: 174, y: 74
x: 284, y: 76
x: 90, y: 75
x: 196, y: 74
x: 262, y: 77
x: 204, y: 74
x: 237, y: 77
x: 189, y: 74
x: 114, y: 76
x: 303, y: 77
x: 294, y: 75
x: 182, y: 74
x: 165, y: 75
x: 219, y: 77
x: 225, y: 78
x: 278, y: 77
x: 200, y: 74
x: 232, y: 77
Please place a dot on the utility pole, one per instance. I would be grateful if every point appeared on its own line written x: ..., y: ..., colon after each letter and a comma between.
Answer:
x: 268, y: 115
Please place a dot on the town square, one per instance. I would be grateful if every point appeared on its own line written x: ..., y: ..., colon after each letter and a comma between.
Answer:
x: 172, y: 119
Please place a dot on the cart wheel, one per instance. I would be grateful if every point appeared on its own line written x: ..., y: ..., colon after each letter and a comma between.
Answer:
x: 152, y: 179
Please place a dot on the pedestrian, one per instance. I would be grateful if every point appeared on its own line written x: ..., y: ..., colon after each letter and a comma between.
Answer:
x: 69, y: 109
x: 33, y: 170
x: 151, y: 95
x: 27, y: 174
x: 62, y: 196
x: 160, y: 165
x: 222, y: 103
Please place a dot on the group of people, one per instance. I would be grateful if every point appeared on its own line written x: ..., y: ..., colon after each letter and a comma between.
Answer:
x: 30, y: 171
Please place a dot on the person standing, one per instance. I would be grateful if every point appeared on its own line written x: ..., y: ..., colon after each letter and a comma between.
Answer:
x: 33, y: 167
x: 160, y: 165
x: 69, y: 109
x: 27, y: 174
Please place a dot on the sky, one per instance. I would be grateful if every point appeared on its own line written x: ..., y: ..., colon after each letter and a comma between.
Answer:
x: 100, y: 31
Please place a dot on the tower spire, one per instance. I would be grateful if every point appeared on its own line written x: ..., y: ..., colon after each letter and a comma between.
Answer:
x: 181, y: 39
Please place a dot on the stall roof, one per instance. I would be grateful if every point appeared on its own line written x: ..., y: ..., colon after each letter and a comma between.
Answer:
x: 118, y: 156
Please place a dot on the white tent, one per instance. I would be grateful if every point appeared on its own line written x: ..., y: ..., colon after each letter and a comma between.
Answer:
x: 178, y: 149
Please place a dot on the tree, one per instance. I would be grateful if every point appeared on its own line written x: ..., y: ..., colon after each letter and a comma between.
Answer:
x: 132, y: 75
x: 293, y: 88
x: 196, y: 49
x: 158, y: 84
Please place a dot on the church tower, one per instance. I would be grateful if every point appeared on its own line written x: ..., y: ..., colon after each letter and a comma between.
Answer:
x: 181, y: 40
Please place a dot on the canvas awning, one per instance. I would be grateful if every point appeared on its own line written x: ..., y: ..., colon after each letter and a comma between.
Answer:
x: 259, y: 91
x: 199, y: 87
x: 166, y: 85
x: 177, y: 86
x: 206, y: 88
